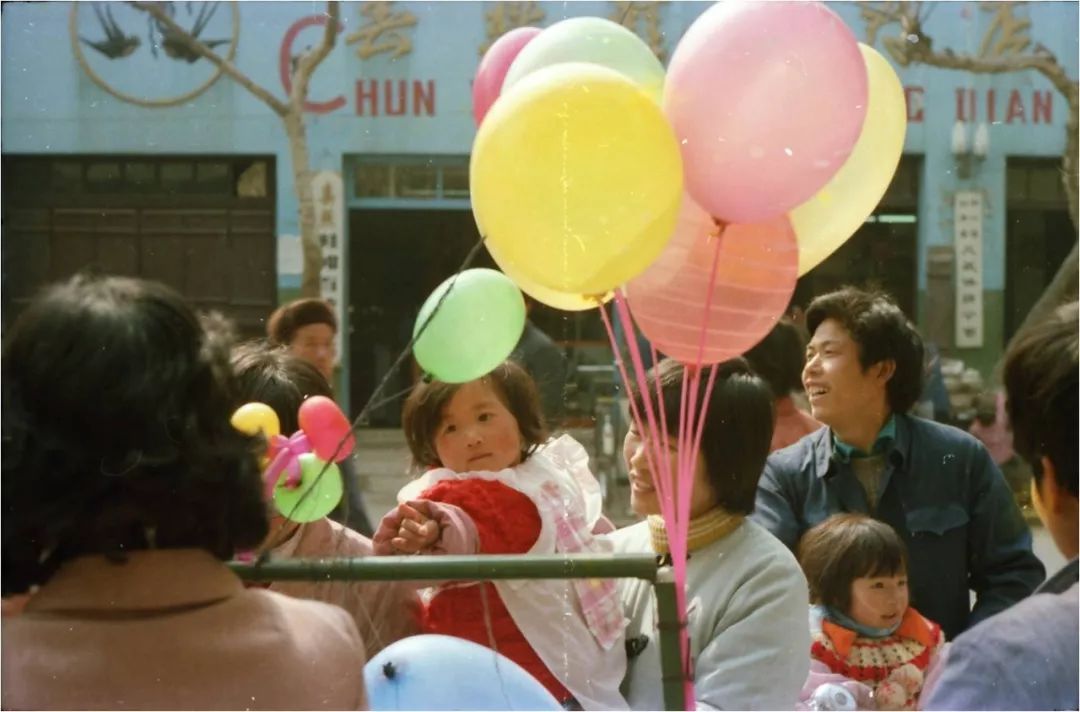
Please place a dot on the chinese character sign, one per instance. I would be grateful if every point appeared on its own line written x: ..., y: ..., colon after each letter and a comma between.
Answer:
x: 501, y: 17
x: 329, y: 226
x: 383, y: 30
x: 967, y: 238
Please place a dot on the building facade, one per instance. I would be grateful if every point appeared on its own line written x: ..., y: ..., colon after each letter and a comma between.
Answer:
x: 125, y: 152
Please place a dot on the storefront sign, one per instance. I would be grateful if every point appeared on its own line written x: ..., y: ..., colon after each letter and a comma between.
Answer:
x: 967, y: 238
x: 330, y: 228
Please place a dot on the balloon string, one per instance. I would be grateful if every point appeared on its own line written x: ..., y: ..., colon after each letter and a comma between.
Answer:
x: 634, y: 412
x: 663, y: 483
x: 653, y: 431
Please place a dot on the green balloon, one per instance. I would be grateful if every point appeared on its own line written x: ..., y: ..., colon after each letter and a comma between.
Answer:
x: 325, y: 491
x: 596, y: 41
x: 475, y: 328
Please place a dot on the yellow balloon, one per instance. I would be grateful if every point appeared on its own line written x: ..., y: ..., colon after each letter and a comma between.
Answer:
x: 253, y: 418
x: 576, y: 179
x: 560, y: 300
x: 827, y: 220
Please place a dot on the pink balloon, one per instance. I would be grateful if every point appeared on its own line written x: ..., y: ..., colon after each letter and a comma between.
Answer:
x: 325, y: 425
x: 755, y: 277
x: 767, y: 100
x: 494, y: 66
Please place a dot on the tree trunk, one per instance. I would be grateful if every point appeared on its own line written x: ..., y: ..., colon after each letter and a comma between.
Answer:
x: 296, y: 132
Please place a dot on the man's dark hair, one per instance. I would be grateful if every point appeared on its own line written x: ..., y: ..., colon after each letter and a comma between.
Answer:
x: 423, y: 411
x: 270, y: 375
x: 1040, y: 377
x: 288, y: 318
x: 738, y: 425
x: 846, y: 547
x: 779, y: 358
x: 882, y: 332
x: 116, y: 431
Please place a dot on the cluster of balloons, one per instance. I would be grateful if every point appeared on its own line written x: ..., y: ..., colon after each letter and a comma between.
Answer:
x: 300, y: 473
x: 770, y: 138
x: 703, y: 191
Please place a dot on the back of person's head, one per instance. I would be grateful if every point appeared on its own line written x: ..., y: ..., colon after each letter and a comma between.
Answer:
x: 271, y: 375
x: 424, y: 408
x: 288, y: 318
x: 1040, y: 375
x: 882, y: 333
x: 846, y: 547
x: 116, y: 431
x: 738, y: 425
x: 779, y: 358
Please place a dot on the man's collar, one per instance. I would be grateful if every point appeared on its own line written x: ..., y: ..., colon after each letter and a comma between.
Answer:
x: 1062, y: 581
x: 884, y: 441
x: 826, y: 453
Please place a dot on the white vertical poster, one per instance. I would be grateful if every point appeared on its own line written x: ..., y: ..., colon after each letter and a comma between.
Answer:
x: 329, y: 195
x: 968, y: 239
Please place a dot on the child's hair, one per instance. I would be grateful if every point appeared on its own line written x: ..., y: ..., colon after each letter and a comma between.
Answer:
x: 116, y: 431
x: 273, y: 376
x: 846, y: 547
x: 738, y: 425
x: 288, y: 318
x: 516, y: 389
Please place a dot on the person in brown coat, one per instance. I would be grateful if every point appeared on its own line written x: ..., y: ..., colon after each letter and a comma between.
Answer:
x: 384, y: 611
x: 125, y: 490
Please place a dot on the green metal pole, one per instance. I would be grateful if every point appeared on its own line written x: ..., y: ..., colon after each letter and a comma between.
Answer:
x: 452, y: 568
x: 668, y: 624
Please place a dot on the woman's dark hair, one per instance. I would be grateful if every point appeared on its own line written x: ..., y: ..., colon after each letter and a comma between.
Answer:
x: 882, y: 332
x: 116, y: 431
x: 1041, y: 380
x: 846, y: 547
x: 271, y: 375
x: 425, y: 405
x: 779, y: 358
x: 283, y: 324
x: 738, y: 425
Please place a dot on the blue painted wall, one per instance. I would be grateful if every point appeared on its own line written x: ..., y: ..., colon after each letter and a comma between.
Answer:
x: 51, y: 106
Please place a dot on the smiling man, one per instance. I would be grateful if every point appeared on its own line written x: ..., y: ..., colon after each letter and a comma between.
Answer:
x: 935, y: 485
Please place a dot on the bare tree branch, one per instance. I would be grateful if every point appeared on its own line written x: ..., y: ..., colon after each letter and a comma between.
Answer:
x: 915, y: 45
x: 155, y: 10
x: 310, y: 61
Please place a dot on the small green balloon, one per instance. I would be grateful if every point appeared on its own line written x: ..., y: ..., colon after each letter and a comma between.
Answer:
x: 474, y: 330
x: 325, y: 495
x: 593, y: 40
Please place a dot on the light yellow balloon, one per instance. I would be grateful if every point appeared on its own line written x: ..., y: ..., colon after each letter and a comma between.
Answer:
x: 827, y: 220
x: 560, y: 300
x: 252, y: 418
x: 576, y: 179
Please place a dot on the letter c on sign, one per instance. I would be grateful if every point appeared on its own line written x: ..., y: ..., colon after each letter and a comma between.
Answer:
x: 285, y: 64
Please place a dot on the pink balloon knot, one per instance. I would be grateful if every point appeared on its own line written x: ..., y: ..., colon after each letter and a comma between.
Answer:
x: 287, y: 459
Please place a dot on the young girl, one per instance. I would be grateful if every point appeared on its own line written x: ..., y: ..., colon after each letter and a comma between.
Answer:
x: 498, y: 488
x: 863, y: 629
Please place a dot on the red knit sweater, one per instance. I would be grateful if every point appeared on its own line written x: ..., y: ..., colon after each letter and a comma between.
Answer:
x: 508, y: 523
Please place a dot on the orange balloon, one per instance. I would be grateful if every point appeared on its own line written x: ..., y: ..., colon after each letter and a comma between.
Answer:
x: 756, y: 269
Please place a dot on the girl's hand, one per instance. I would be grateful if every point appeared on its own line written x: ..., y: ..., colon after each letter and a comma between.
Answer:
x: 417, y: 531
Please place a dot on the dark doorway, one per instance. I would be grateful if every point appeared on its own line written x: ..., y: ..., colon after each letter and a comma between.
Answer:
x: 397, y: 257
x: 204, y: 225
x: 1038, y: 234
